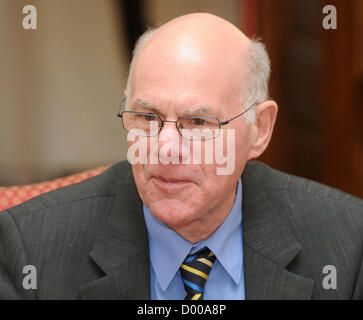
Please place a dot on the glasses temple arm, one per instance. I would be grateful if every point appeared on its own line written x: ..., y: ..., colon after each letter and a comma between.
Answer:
x: 228, y: 121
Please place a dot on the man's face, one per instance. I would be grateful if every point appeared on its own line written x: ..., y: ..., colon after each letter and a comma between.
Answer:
x: 174, y: 85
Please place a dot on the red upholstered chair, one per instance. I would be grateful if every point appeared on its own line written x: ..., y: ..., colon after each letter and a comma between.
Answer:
x: 11, y: 196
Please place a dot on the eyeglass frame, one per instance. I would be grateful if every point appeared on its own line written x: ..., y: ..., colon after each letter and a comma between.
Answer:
x: 220, y: 123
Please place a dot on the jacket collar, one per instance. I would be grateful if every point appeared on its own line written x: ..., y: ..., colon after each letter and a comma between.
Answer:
x: 269, y: 245
x: 122, y: 253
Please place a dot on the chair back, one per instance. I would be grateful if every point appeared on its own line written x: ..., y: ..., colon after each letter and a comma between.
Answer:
x: 12, y: 196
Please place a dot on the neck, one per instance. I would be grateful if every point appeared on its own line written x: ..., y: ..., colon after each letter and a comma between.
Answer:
x: 203, y: 228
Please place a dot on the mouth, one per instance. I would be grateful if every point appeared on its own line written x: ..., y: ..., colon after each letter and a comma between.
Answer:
x: 171, y: 185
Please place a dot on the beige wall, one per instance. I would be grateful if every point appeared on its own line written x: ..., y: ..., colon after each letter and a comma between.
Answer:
x: 60, y: 85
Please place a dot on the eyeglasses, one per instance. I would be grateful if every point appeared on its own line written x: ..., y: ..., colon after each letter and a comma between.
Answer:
x: 189, y: 127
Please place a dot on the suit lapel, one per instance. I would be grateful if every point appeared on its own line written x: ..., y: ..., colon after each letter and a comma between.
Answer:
x: 121, y: 251
x: 269, y: 246
x: 130, y: 281
x: 267, y: 280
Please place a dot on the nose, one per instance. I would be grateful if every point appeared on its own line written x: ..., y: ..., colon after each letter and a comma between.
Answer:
x: 170, y: 128
x: 170, y: 144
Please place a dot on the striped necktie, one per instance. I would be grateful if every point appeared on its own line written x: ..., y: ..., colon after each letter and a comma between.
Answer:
x: 195, y: 270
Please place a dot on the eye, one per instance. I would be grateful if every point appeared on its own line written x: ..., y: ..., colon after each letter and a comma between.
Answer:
x: 199, y: 122
x: 149, y: 117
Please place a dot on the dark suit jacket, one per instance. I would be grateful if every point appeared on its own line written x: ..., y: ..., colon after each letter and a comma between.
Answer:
x: 89, y: 240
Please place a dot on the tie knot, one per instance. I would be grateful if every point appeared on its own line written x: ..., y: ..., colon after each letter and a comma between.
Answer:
x: 195, y: 270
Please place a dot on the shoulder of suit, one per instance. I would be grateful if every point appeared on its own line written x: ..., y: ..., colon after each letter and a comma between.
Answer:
x: 273, y: 179
x: 293, y: 189
x: 103, y: 185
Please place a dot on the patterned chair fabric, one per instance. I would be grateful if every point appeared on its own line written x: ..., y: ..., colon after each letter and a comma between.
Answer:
x: 12, y: 196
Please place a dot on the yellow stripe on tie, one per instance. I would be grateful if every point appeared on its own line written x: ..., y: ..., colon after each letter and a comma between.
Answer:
x: 211, y: 254
x: 196, y: 296
x: 205, y: 261
x: 195, y: 271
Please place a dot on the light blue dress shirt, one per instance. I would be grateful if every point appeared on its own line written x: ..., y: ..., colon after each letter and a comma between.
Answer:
x: 168, y: 250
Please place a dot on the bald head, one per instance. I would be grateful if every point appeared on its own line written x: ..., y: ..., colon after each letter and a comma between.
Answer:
x: 200, y: 34
x: 197, y: 44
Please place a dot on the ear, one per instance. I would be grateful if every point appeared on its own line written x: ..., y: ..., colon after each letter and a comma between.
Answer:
x: 266, y: 114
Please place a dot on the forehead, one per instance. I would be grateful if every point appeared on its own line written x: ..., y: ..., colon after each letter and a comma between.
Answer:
x: 169, y: 88
x: 185, y: 73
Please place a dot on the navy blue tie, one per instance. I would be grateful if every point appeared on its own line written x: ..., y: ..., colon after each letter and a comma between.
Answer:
x: 195, y: 271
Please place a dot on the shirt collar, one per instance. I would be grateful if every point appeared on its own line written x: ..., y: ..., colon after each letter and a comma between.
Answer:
x: 168, y: 249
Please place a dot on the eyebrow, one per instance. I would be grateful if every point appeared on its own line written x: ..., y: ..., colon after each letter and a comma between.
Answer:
x: 200, y: 110
x: 148, y: 106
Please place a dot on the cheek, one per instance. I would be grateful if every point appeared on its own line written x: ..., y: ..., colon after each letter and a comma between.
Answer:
x: 243, y: 143
x: 138, y: 172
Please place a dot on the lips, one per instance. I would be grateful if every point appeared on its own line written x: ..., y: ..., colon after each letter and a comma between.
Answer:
x: 171, y: 184
x: 171, y: 179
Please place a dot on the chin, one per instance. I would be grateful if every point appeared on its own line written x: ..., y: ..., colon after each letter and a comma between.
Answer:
x: 172, y: 213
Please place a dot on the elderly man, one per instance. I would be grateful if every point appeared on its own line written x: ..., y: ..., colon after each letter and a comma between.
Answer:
x: 181, y: 223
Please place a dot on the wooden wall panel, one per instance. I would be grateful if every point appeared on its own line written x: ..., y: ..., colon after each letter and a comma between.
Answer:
x: 317, y: 81
x: 342, y: 147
